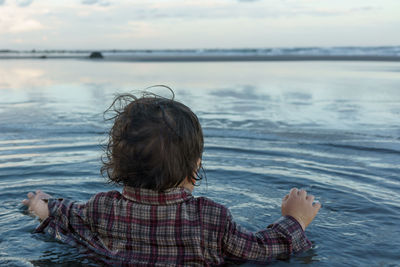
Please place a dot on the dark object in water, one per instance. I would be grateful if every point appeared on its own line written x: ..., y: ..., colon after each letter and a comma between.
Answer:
x: 96, y: 55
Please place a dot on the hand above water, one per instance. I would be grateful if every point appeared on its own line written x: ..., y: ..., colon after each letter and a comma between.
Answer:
x: 37, y: 204
x: 300, y: 206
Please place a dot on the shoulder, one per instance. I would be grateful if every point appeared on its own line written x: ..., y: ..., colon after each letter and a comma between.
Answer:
x: 103, y: 197
x: 210, y: 207
x: 101, y: 204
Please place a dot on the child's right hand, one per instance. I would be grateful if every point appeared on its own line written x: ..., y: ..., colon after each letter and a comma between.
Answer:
x: 36, y: 203
x: 300, y: 206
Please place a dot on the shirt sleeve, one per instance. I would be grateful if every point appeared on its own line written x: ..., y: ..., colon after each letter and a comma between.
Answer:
x: 278, y: 241
x: 67, y: 221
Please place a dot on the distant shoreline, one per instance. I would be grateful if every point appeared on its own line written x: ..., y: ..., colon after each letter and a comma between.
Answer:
x: 207, y: 58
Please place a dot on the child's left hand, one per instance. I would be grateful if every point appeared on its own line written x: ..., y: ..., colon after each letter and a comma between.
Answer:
x: 37, y: 205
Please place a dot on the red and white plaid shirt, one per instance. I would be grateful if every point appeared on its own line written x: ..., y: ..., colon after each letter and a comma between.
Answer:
x: 142, y: 227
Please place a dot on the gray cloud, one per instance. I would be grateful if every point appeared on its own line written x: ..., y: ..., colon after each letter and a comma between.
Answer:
x: 336, y: 12
x: 89, y: 2
x: 23, y: 3
x: 2, y: 2
x: 96, y: 2
x: 248, y: 9
x: 365, y: 8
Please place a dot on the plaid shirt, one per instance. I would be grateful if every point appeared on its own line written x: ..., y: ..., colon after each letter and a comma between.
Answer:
x: 142, y: 227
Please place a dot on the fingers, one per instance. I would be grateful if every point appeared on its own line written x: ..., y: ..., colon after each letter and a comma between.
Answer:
x: 293, y: 192
x: 310, y: 198
x: 302, y: 193
x: 296, y: 192
x: 31, y: 197
x: 317, y: 205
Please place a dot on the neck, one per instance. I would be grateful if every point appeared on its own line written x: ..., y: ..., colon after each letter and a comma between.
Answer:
x: 188, y: 185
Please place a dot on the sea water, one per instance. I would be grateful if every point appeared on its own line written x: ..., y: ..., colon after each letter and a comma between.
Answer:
x: 332, y: 128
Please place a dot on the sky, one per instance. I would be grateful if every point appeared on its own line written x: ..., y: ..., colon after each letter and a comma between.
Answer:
x: 193, y: 24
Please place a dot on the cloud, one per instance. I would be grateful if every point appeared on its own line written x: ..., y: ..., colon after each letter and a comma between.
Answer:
x: 89, y: 2
x: 15, y: 19
x: 24, y: 3
x: 191, y: 23
x: 221, y: 10
x: 335, y: 11
x: 25, y: 26
x: 96, y: 2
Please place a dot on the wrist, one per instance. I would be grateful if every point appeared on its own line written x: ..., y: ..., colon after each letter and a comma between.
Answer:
x: 299, y: 221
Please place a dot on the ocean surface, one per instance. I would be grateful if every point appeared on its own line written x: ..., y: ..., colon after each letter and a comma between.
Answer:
x: 332, y: 128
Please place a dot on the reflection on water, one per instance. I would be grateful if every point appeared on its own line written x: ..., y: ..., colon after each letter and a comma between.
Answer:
x: 328, y: 127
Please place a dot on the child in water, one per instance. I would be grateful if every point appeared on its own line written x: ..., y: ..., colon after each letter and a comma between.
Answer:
x: 154, y: 151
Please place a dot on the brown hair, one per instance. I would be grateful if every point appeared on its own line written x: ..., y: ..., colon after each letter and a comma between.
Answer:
x: 155, y: 143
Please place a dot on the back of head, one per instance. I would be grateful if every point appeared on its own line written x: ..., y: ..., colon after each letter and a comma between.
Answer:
x: 155, y: 143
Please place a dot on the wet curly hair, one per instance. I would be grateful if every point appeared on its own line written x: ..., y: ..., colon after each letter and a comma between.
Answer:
x: 154, y: 143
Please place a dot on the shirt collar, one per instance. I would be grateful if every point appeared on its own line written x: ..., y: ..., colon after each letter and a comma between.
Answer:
x: 151, y: 197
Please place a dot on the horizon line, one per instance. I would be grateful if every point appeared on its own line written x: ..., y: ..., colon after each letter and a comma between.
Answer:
x: 189, y: 49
